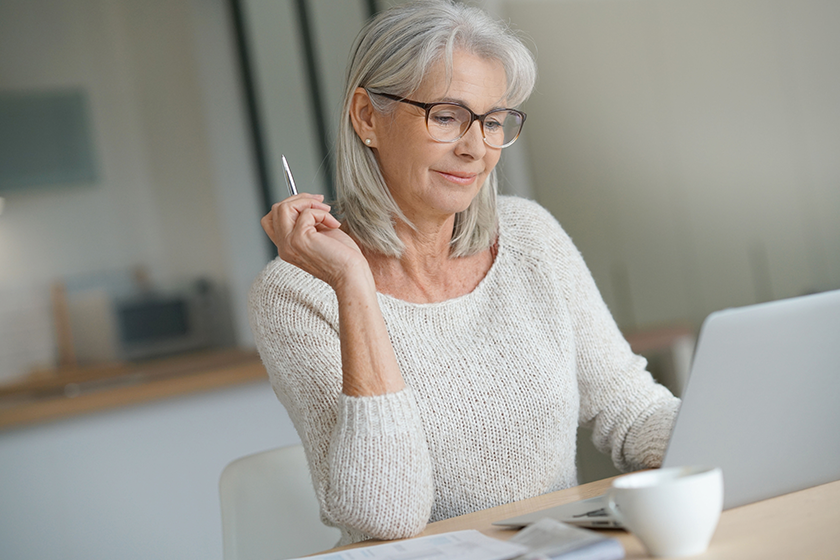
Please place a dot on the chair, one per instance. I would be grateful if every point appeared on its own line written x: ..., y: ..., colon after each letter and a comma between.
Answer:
x: 269, y: 509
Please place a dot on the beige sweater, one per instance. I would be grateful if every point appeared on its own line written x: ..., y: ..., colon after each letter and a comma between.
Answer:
x: 498, y: 382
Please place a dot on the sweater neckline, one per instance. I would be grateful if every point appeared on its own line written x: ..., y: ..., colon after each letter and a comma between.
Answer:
x: 476, y: 292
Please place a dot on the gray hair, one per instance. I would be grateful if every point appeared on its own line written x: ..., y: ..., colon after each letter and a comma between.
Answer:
x: 392, y: 54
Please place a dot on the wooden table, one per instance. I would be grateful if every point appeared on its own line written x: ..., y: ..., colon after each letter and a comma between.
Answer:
x: 800, y: 525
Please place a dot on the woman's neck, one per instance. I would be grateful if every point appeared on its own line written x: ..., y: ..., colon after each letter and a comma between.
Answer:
x: 426, y: 272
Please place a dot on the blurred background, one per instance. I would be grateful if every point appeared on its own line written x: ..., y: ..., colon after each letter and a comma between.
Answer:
x: 689, y: 147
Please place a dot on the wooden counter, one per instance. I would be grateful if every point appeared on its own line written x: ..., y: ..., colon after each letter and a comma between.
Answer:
x: 50, y: 396
x: 71, y: 391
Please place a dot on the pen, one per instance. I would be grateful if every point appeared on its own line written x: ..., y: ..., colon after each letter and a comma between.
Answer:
x: 290, y: 181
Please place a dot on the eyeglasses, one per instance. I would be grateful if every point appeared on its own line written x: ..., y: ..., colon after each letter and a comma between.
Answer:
x: 448, y: 122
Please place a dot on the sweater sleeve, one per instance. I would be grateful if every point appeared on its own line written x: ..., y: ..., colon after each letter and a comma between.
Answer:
x: 368, y: 456
x: 630, y: 414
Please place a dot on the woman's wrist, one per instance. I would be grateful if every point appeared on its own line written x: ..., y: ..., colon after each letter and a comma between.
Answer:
x: 354, y: 282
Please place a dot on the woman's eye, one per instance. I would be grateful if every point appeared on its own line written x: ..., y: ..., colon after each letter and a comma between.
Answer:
x: 444, y: 119
x: 492, y: 124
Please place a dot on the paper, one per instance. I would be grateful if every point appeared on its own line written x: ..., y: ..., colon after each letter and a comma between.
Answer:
x: 458, y: 545
x: 553, y: 540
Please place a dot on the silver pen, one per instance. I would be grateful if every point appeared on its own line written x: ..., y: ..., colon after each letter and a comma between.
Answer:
x: 290, y: 181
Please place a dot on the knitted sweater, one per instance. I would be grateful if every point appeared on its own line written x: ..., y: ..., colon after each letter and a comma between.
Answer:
x: 498, y: 381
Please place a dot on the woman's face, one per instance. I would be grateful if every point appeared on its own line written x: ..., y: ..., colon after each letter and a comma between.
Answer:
x: 434, y: 180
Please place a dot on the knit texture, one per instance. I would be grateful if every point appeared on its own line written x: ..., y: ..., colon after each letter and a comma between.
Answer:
x: 498, y: 381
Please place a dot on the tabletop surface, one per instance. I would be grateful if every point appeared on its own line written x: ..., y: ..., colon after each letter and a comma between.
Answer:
x: 797, y: 525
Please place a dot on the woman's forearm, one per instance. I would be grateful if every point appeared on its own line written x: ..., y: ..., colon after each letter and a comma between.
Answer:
x: 368, y: 362
x: 380, y: 479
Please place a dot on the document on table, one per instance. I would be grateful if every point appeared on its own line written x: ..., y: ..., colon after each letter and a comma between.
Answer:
x: 548, y: 539
x: 458, y: 545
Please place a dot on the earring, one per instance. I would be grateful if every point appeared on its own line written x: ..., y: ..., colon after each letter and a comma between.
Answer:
x: 367, y: 141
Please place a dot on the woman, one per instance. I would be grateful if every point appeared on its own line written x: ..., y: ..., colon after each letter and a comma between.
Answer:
x: 436, y: 351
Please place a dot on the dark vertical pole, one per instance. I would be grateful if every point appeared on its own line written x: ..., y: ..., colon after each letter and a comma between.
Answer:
x: 372, y: 8
x: 311, y: 68
x: 247, y: 78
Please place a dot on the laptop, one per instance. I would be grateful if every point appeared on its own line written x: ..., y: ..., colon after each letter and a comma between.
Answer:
x: 762, y: 402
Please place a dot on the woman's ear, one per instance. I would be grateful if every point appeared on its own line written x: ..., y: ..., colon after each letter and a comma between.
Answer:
x: 363, y: 117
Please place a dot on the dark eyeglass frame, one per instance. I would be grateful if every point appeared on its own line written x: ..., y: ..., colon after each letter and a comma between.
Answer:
x: 473, y: 117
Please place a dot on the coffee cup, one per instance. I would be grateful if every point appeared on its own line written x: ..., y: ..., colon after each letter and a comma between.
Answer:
x: 673, y: 511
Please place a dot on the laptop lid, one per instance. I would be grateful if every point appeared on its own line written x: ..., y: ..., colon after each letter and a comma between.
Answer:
x: 763, y: 399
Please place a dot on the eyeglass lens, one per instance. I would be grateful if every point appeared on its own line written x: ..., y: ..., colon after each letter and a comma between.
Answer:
x: 447, y: 123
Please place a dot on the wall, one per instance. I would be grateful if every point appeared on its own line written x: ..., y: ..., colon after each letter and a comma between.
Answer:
x: 154, y: 202
x: 49, y: 44
x: 690, y: 148
x: 176, y: 191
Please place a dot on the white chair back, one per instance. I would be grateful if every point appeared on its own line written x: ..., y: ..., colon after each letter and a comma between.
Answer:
x: 269, y: 509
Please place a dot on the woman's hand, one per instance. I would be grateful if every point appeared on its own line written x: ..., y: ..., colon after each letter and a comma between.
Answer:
x: 308, y: 236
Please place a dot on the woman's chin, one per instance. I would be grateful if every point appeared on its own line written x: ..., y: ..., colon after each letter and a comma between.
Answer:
x: 443, y: 202
x: 457, y: 199
x: 455, y: 204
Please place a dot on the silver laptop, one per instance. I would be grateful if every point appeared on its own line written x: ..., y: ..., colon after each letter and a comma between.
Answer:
x: 762, y: 403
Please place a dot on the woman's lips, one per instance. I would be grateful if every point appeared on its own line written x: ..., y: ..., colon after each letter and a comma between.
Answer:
x: 459, y: 178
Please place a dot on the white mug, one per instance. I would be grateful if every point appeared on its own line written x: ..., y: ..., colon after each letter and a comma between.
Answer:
x: 673, y: 511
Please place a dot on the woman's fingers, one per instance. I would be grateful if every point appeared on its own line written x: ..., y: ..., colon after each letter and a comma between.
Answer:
x: 292, y: 223
x: 302, y: 198
x: 308, y: 236
x: 281, y: 219
x: 309, y: 226
x: 299, y: 203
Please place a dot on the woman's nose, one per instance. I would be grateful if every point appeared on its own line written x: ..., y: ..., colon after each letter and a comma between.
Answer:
x: 472, y: 142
